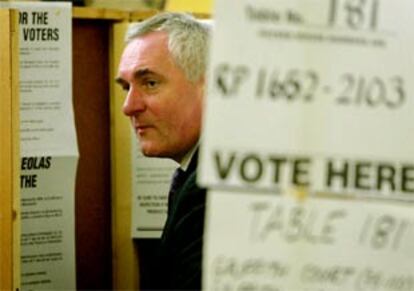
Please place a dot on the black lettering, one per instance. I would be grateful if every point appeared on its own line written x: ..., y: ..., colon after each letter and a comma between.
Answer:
x: 36, y: 163
x: 383, y: 229
x: 45, y: 33
x: 257, y: 166
x: 23, y: 17
x: 257, y: 209
x: 337, y: 275
x: 47, y: 162
x: 274, y: 222
x: 229, y: 79
x: 362, y: 175
x: 55, y: 34
x: 300, y: 172
x: 407, y: 179
x: 223, y: 171
x: 40, y: 17
x: 277, y: 162
x: 222, y: 78
x: 24, y: 164
x: 311, y: 229
x: 26, y: 34
x: 40, y: 34
x: 337, y: 173
x: 328, y: 230
x: 385, y: 176
x: 262, y: 14
x: 28, y: 181
x: 295, y: 224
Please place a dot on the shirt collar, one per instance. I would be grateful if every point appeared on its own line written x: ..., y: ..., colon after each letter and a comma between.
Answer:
x: 185, y: 163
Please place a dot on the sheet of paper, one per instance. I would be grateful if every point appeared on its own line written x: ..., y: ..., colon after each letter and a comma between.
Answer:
x: 314, y: 94
x: 150, y: 185
x: 282, y: 244
x: 48, y: 146
x: 47, y: 213
x: 46, y: 110
x: 309, y: 95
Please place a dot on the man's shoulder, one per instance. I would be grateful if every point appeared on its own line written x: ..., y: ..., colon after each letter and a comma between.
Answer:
x: 191, y: 187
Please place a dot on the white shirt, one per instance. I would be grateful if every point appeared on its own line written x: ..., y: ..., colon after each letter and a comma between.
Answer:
x: 185, y: 163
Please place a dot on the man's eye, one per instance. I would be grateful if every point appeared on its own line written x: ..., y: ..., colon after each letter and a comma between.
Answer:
x: 125, y: 88
x: 151, y: 84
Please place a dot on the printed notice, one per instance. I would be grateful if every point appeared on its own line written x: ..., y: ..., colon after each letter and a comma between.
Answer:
x: 322, y: 90
x: 46, y: 113
x: 48, y: 146
x: 47, y: 213
x: 150, y: 184
x: 325, y: 245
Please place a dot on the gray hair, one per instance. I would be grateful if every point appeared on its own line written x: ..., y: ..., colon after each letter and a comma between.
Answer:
x: 187, y: 40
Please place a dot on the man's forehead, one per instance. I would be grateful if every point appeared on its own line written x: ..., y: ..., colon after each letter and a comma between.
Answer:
x: 145, y: 51
x: 157, y: 40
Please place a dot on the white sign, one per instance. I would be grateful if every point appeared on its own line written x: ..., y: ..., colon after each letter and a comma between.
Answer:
x: 283, y: 244
x: 150, y: 185
x: 315, y: 94
x: 48, y: 146
x: 48, y: 224
x: 46, y: 110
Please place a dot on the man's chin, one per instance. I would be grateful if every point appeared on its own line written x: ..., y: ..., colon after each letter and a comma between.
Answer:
x: 151, y: 153
x: 148, y: 154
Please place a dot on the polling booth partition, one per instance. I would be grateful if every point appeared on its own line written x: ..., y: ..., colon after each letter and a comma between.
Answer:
x: 107, y: 256
x: 9, y: 152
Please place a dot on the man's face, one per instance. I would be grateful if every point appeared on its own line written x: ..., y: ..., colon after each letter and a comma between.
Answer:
x: 164, y: 107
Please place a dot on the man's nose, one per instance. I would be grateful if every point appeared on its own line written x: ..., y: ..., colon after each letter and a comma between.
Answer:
x: 134, y: 103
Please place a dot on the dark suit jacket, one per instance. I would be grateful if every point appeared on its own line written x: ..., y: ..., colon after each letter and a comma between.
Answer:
x: 180, y: 253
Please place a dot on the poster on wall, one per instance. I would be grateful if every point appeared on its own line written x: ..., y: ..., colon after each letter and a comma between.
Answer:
x: 317, y: 101
x: 151, y: 178
x: 48, y: 146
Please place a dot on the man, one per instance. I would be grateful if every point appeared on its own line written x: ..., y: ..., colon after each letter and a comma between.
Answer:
x: 162, y: 69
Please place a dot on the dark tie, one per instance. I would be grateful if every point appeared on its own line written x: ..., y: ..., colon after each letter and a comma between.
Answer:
x: 177, y: 181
